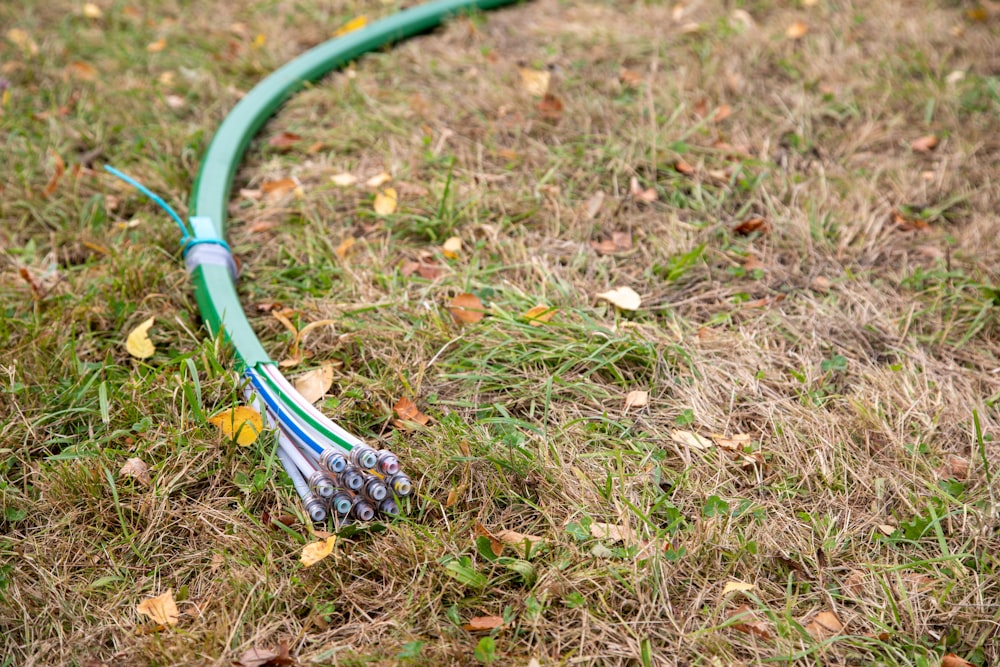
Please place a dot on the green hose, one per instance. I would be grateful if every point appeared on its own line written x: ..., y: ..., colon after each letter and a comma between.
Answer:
x: 215, y: 290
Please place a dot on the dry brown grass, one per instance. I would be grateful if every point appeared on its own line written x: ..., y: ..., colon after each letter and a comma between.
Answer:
x: 852, y: 351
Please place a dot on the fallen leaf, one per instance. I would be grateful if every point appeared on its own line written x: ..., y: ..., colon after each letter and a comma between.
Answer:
x: 737, y: 587
x: 952, y: 660
x: 81, y: 70
x: 535, y: 82
x: 854, y: 583
x: 21, y: 39
x: 496, y: 545
x: 722, y: 113
x: 483, y: 623
x: 752, y: 625
x: 385, y: 202
x: 797, y: 30
x: 451, y: 247
x: 925, y: 144
x: 683, y: 167
x: 378, y: 180
x: 619, y: 242
x: 344, y: 179
x: 275, y: 190
x: 60, y: 169
x: 752, y: 225
x: 648, y: 195
x: 515, y: 538
x: 689, y: 439
x: 407, y: 411
x: 314, y: 384
x: 958, y: 467
x: 625, y: 298
x: 161, y: 609
x: 539, y: 315
x: 138, y: 343
x: 175, y: 101
x: 608, y: 531
x: 630, y: 78
x: 345, y: 247
x: 157, y: 46
x: 824, y: 625
x: 732, y: 443
x: 92, y: 11
x: 284, y: 140
x: 594, y: 205
x: 466, y: 308
x: 454, y: 494
x: 636, y: 399
x: 314, y: 552
x: 354, y: 24
x: 241, y: 423
x: 820, y: 284
x: 550, y: 107
x: 907, y: 223
x: 137, y: 468
x: 256, y: 657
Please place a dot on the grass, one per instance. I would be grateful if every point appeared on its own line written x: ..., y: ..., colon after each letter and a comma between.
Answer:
x: 853, y: 339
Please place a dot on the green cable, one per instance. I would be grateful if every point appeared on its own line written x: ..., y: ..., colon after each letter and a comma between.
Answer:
x: 215, y: 290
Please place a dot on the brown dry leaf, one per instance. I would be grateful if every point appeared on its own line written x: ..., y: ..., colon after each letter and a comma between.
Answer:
x: 854, y: 583
x: 625, y: 298
x: 732, y: 443
x: 925, y: 144
x: 594, y: 205
x: 60, y: 169
x: 496, y: 545
x: 797, y: 30
x: 386, y: 201
x: 378, y: 180
x: 820, y: 284
x: 648, y: 195
x: 314, y: 384
x: 344, y: 179
x: 619, y: 242
x: 241, y: 423
x: 314, y: 552
x: 161, y: 609
x: 630, y: 78
x: 267, y: 657
x: 451, y: 247
x: 908, y: 224
x: 157, y: 46
x: 683, y: 167
x: 274, y: 190
x: 517, y: 539
x: 466, y: 308
x: 21, y: 39
x: 138, y: 343
x: 535, y: 82
x: 550, y: 107
x: 137, y: 468
x: 952, y: 660
x: 690, y: 439
x: 958, y: 467
x: 454, y: 494
x: 722, y: 113
x: 284, y: 140
x: 354, y: 24
x: 751, y: 625
x: 636, y: 399
x: 737, y: 587
x: 81, y: 71
x: 483, y: 623
x: 407, y: 411
x: 609, y: 531
x: 539, y: 315
x: 824, y: 625
x: 345, y: 247
x: 752, y: 225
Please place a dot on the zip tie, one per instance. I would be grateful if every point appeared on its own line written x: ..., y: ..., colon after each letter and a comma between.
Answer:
x: 185, y: 234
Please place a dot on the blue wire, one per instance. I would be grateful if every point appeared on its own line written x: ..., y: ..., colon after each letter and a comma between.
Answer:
x: 185, y: 234
x: 283, y: 418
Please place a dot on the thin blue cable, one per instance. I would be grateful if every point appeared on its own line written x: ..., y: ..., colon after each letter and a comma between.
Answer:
x: 284, y: 419
x: 185, y: 233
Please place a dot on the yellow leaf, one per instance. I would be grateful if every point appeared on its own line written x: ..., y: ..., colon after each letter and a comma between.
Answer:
x: 732, y: 443
x: 242, y: 423
x: 737, y: 587
x: 797, y: 30
x: 466, y: 308
x: 345, y: 247
x: 378, y: 180
x: 452, y: 247
x: 157, y: 46
x: 689, y: 439
x: 81, y: 70
x: 92, y: 11
x: 385, y: 202
x: 636, y: 399
x: 344, y: 179
x: 314, y: 552
x: 623, y: 297
x: 535, y: 82
x: 351, y: 26
x: 259, y: 40
x: 138, y: 469
x: 161, y: 609
x: 138, y: 343
x: 22, y: 39
x: 314, y: 384
x: 539, y: 315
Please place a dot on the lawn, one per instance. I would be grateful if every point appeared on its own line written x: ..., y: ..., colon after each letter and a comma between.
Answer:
x: 785, y: 452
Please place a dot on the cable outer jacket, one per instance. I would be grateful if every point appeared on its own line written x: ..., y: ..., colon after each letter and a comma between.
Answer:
x: 215, y: 292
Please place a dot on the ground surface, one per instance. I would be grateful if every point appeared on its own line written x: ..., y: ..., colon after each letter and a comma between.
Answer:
x: 818, y: 283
